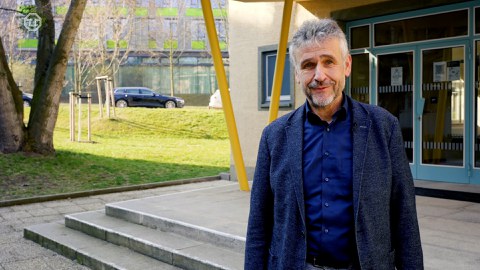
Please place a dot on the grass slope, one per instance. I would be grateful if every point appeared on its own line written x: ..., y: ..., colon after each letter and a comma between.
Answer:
x: 137, y: 146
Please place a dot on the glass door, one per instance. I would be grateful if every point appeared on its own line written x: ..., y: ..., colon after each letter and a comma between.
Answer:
x: 476, y: 116
x: 395, y: 92
x: 443, y: 155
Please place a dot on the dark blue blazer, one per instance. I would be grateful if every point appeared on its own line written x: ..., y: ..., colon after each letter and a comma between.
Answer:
x: 386, y: 226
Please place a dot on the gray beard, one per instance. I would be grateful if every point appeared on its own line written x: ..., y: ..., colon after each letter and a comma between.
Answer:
x: 318, y: 101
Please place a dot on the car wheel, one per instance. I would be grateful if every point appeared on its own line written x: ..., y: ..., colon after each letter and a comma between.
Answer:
x: 170, y: 104
x: 26, y: 103
x: 122, y: 103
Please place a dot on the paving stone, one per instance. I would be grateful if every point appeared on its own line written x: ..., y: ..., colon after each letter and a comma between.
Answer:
x: 69, y: 209
x: 27, y: 207
x: 441, y: 258
x: 45, y: 211
x: 467, y: 216
x: 93, y: 206
x: 37, y: 264
x: 15, y: 215
x: 443, y: 203
x: 9, y: 237
x: 5, y: 209
x: 474, y: 207
x: 436, y: 211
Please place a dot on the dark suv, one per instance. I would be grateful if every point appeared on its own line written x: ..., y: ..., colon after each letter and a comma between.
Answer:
x: 144, y: 97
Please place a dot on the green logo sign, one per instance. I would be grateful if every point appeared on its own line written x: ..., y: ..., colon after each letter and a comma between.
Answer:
x: 32, y: 22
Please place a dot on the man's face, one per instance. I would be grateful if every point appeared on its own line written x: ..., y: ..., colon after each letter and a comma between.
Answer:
x: 321, y: 72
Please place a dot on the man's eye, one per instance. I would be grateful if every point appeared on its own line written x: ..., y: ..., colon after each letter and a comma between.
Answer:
x: 309, y: 66
x: 328, y: 62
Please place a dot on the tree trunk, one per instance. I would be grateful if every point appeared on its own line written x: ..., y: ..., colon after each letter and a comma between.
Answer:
x: 48, y: 87
x: 12, y: 129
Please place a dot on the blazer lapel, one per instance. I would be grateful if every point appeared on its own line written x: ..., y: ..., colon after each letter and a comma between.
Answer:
x: 294, y: 135
x: 361, y: 128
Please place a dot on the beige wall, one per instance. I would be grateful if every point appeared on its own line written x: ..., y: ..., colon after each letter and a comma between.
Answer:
x: 253, y: 25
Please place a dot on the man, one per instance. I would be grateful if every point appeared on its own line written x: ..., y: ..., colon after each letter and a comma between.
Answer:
x: 332, y: 186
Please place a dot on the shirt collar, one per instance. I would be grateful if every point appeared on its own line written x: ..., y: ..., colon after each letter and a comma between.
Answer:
x: 339, y: 115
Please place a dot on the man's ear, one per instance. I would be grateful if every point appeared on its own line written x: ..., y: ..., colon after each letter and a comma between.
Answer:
x: 348, y: 65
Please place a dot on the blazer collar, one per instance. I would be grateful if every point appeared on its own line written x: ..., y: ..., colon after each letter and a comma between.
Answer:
x: 294, y: 135
x: 361, y: 125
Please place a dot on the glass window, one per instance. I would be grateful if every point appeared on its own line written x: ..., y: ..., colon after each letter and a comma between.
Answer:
x: 477, y: 103
x: 360, y: 78
x: 218, y: 3
x: 443, y: 25
x: 221, y: 31
x: 146, y: 92
x: 477, y: 20
x: 360, y: 37
x: 193, y: 3
x: 169, y: 3
x: 198, y: 30
x: 268, y: 60
x: 170, y: 28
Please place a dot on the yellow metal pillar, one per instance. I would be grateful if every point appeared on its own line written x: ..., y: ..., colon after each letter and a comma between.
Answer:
x: 225, y: 94
x: 280, y: 64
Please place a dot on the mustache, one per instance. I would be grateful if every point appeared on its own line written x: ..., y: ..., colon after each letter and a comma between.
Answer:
x: 317, y: 83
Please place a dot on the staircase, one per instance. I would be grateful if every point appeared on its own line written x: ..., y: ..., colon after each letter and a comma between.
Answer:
x: 202, y: 229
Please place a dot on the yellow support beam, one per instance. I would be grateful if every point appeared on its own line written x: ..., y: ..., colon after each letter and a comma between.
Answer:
x: 280, y: 64
x: 225, y: 94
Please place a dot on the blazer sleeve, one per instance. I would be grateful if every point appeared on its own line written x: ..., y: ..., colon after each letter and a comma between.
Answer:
x: 405, y: 230
x: 260, y: 219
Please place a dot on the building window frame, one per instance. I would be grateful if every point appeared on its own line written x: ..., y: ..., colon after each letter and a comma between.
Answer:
x: 267, y: 57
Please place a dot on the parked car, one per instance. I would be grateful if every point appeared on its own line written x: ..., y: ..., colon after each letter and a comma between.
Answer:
x: 144, y: 97
x: 27, y: 99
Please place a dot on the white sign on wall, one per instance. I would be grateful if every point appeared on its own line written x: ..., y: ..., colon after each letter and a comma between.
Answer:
x: 396, y: 76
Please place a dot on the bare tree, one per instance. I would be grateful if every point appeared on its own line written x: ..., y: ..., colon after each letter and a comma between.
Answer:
x: 11, y: 33
x: 50, y: 69
x: 103, y: 42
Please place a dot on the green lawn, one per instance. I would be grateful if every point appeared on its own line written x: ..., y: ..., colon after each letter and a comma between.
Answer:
x: 138, y: 146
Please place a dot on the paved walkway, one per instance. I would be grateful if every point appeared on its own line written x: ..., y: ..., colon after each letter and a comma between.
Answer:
x: 450, y: 229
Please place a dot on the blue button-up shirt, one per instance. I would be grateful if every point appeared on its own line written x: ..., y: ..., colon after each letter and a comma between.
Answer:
x: 327, y: 183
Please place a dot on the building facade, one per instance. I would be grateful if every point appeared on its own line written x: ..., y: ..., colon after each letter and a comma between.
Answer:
x: 160, y: 44
x: 417, y: 59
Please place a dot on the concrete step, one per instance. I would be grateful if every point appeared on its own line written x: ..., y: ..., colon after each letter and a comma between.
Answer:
x: 164, y: 243
x: 130, y: 211
x: 89, y: 251
x: 198, y: 229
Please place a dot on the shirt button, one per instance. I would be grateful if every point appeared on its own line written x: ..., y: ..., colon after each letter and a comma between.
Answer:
x: 326, y: 204
x: 327, y: 179
x: 328, y: 129
x: 327, y: 153
x: 326, y: 230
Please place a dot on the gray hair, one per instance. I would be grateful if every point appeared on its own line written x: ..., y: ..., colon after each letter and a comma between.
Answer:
x: 316, y: 31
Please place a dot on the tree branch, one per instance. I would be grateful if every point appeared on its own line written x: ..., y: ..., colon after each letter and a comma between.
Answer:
x: 9, y: 9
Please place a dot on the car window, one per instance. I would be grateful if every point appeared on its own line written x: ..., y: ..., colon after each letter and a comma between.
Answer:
x: 132, y: 91
x: 145, y: 92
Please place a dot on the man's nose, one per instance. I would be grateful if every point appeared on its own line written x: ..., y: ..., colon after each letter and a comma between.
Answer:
x: 319, y: 73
